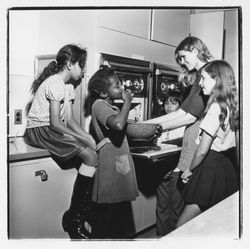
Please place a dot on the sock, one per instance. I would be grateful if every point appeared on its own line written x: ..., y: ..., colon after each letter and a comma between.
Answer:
x: 87, y: 170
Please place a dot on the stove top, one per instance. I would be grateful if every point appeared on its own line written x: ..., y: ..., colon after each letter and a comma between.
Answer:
x: 156, y: 153
x: 143, y: 149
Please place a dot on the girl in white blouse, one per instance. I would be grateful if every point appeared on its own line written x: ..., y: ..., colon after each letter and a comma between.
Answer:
x: 211, y: 176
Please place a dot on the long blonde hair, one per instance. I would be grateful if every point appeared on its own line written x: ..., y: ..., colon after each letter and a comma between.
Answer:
x: 187, y: 77
x: 191, y: 42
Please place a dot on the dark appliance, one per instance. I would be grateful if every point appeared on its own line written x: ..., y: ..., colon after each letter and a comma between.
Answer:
x: 135, y: 75
x: 165, y: 78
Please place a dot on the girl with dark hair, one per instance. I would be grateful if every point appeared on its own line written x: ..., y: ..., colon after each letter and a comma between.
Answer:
x: 51, y: 125
x: 172, y: 101
x: 115, y: 180
x: 211, y: 176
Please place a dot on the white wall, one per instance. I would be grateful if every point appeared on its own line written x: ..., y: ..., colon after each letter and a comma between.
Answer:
x: 23, y: 45
x: 231, y: 49
x: 43, y: 32
x: 35, y: 33
x: 209, y: 28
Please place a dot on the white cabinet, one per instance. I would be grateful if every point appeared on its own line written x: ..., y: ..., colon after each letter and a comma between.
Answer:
x: 133, y: 22
x: 143, y: 209
x: 170, y: 26
x: 231, y: 49
x: 209, y: 28
x: 35, y: 206
x: 149, y: 205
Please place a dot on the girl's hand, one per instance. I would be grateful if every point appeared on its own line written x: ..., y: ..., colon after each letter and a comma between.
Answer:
x: 91, y: 142
x: 127, y: 95
x: 185, y: 176
x: 157, y: 133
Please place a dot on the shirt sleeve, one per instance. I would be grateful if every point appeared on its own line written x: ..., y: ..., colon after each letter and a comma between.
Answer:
x: 55, y: 90
x: 70, y: 93
x: 194, y: 103
x: 211, y: 123
x: 102, y: 111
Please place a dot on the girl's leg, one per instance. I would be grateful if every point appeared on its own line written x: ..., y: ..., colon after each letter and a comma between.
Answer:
x: 89, y: 157
x: 77, y: 219
x: 105, y: 215
x: 188, y: 213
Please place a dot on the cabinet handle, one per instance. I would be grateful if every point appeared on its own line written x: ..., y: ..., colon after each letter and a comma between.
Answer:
x: 42, y: 174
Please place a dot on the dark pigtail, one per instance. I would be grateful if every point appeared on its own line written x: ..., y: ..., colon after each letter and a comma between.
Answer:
x: 69, y: 53
x: 47, y: 71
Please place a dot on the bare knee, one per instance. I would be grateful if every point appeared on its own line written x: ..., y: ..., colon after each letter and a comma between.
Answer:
x: 89, y: 156
x: 188, y: 213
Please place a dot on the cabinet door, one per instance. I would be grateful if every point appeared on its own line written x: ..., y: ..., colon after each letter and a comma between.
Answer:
x: 149, y: 205
x: 137, y: 211
x: 209, y: 28
x: 231, y: 49
x: 133, y: 22
x: 170, y: 26
x: 35, y: 206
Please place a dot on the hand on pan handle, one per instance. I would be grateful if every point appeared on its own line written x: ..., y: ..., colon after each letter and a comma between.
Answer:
x: 157, y: 133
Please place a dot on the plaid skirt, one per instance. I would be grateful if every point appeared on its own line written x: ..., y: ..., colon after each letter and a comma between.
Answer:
x: 64, y: 148
x: 212, y: 181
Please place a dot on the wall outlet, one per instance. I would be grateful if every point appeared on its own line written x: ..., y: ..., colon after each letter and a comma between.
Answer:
x: 18, y: 116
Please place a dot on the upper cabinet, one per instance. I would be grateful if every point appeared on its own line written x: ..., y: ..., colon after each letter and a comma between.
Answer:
x: 209, y: 28
x: 170, y: 26
x: 133, y: 22
x: 231, y: 48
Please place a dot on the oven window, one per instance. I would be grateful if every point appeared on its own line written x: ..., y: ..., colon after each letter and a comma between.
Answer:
x: 135, y: 82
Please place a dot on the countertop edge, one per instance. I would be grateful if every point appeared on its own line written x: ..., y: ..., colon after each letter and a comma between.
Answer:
x: 28, y: 156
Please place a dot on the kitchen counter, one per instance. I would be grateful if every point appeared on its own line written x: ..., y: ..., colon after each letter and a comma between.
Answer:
x: 167, y: 148
x: 221, y: 220
x: 158, y: 155
x: 19, y: 150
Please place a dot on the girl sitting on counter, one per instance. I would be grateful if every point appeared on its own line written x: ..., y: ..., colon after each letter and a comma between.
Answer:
x: 51, y: 125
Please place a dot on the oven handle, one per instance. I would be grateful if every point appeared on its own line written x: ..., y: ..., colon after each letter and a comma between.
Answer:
x: 131, y: 68
x: 166, y: 72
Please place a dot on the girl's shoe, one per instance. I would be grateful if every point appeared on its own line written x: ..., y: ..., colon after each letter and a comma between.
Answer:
x: 77, y: 221
x: 74, y: 225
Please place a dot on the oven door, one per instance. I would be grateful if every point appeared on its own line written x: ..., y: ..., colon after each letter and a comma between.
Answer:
x: 164, y: 80
x: 135, y: 75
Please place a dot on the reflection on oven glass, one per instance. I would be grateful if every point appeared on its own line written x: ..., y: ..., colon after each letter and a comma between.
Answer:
x: 135, y: 85
x: 166, y: 86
